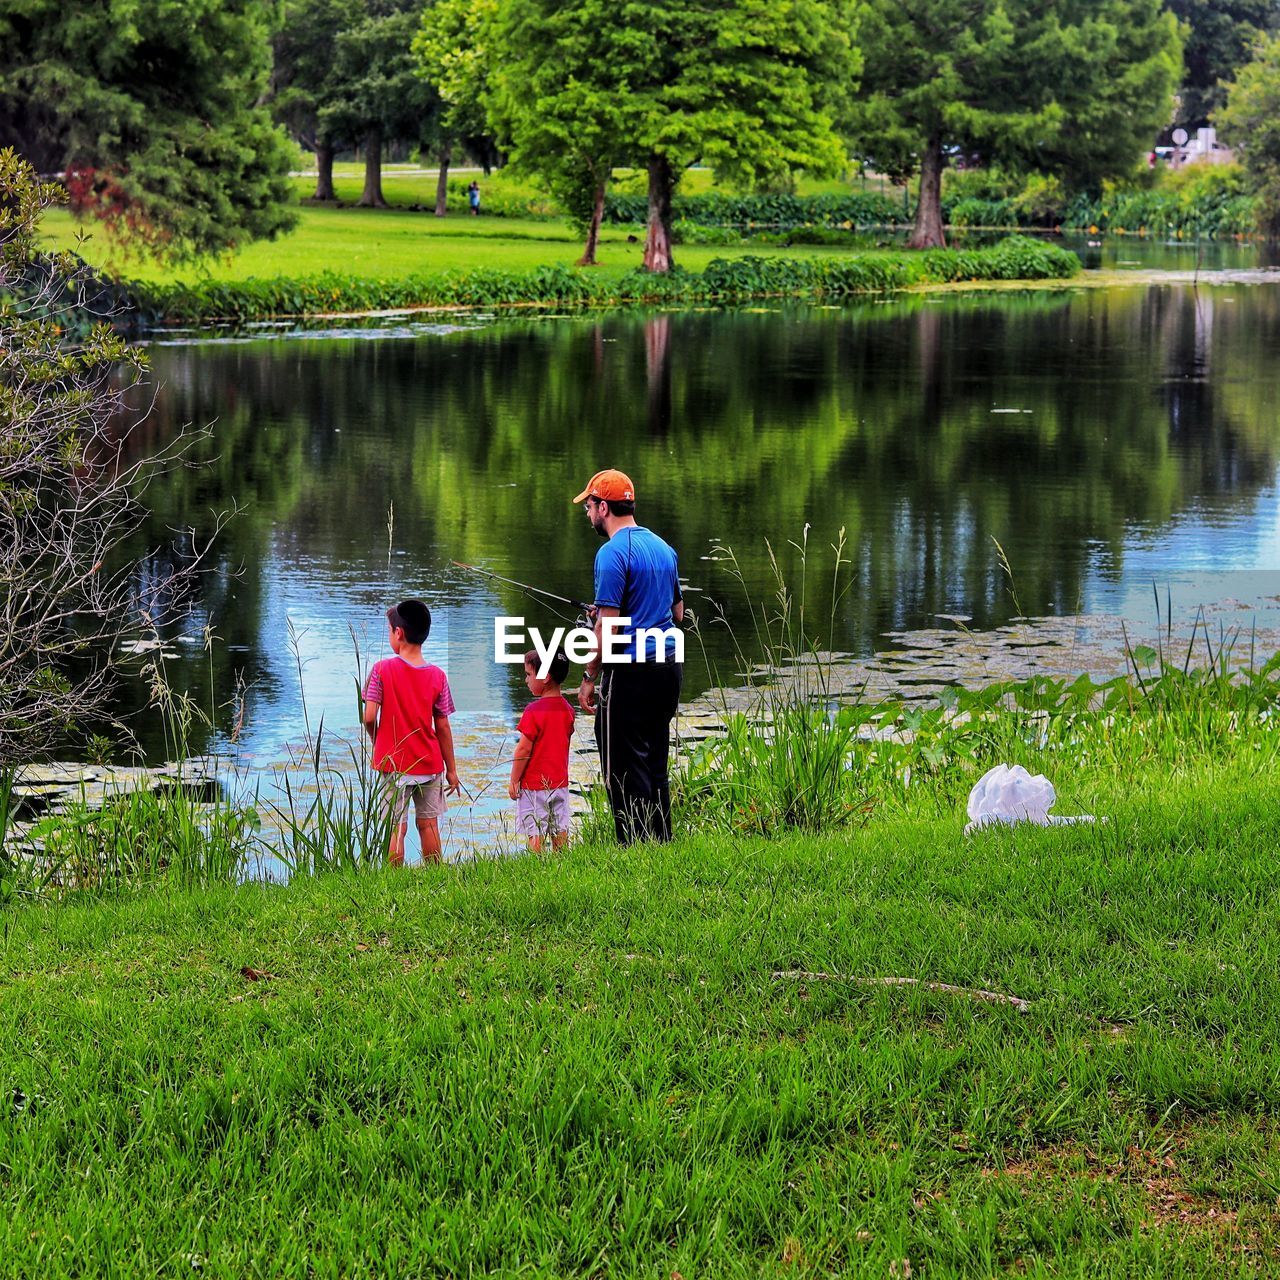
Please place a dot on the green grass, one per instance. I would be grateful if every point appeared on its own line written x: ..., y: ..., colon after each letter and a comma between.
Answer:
x: 386, y: 243
x: 583, y: 1066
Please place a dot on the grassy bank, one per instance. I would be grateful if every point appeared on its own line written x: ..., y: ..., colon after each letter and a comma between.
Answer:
x: 586, y: 1066
x: 724, y: 279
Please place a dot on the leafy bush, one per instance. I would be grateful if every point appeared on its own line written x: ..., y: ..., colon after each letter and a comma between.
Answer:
x: 683, y: 231
x: 503, y: 194
x: 854, y: 209
x: 832, y: 236
x: 1200, y: 200
x: 971, y: 211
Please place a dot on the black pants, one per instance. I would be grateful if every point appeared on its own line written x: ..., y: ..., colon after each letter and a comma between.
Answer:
x: 633, y: 728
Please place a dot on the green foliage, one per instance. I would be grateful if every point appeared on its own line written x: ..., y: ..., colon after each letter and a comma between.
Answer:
x: 854, y: 209
x: 505, y: 195
x: 814, y: 768
x: 1201, y: 200
x: 750, y: 88
x: 684, y: 231
x: 725, y: 279
x: 302, y: 65
x: 1220, y: 35
x: 90, y: 90
x: 68, y: 479
x: 451, y: 49
x: 800, y: 758
x: 1251, y: 121
x: 142, y: 836
x: 784, y: 765
x: 1076, y: 91
x: 562, y: 96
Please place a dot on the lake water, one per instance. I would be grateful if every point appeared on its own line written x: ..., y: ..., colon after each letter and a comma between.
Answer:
x: 1105, y: 439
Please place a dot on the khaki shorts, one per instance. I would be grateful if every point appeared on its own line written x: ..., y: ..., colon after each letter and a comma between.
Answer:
x: 427, y: 794
x: 544, y: 814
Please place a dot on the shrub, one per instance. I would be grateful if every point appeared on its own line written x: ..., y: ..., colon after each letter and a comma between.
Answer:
x: 1200, y: 200
x: 856, y: 209
x: 683, y: 231
x: 503, y: 194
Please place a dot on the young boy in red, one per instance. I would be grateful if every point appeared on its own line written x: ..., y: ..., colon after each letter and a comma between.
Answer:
x: 540, y: 770
x: 407, y: 706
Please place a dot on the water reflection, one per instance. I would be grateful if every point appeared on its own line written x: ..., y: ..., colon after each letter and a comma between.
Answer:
x: 1077, y: 429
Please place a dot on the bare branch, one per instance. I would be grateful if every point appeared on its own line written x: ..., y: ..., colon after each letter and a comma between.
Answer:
x: 72, y: 474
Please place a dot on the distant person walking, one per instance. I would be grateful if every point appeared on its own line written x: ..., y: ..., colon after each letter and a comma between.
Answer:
x: 636, y: 578
x: 473, y: 198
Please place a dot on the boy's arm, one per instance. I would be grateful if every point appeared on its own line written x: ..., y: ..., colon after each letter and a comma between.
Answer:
x: 371, y: 710
x: 519, y: 763
x: 445, y: 736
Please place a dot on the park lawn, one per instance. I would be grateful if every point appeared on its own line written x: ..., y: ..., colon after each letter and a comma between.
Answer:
x: 585, y: 1066
x: 399, y: 241
x: 391, y: 243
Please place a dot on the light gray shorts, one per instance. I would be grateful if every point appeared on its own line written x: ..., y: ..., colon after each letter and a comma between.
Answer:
x: 427, y: 794
x: 542, y: 813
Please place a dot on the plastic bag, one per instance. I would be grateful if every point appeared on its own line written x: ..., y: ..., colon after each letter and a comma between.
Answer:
x: 1008, y: 794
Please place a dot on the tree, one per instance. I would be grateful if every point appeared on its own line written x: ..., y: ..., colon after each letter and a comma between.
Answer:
x: 560, y: 96
x: 374, y: 94
x: 1220, y: 37
x: 70, y: 482
x: 451, y: 48
x: 750, y: 87
x: 1250, y: 120
x: 1071, y: 87
x: 301, y: 78
x: 155, y: 116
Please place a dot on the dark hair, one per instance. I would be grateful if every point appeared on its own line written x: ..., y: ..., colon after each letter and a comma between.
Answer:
x: 620, y: 508
x: 558, y: 669
x: 413, y: 618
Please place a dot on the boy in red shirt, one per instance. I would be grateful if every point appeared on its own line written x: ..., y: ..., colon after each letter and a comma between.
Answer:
x: 407, y: 706
x: 540, y: 770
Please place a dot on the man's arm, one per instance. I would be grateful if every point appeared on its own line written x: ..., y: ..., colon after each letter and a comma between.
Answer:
x: 591, y: 672
x: 444, y: 735
x: 519, y: 763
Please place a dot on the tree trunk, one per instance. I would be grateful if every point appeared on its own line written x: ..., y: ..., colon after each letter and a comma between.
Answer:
x: 324, y: 172
x: 442, y: 181
x: 657, y: 243
x: 371, y: 196
x: 927, y: 233
x: 588, y: 258
x: 657, y: 364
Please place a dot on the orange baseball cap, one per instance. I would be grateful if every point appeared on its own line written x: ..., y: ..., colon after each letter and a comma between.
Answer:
x: 609, y: 486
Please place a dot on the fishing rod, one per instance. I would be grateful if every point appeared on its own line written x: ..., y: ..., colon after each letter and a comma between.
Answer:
x: 524, y: 586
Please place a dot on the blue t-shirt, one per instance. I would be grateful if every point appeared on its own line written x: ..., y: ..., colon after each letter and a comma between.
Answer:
x: 636, y: 574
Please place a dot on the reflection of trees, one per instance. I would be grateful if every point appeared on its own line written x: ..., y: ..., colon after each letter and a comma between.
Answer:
x: 736, y: 426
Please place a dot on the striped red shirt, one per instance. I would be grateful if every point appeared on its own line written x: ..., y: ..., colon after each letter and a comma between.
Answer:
x: 411, y: 698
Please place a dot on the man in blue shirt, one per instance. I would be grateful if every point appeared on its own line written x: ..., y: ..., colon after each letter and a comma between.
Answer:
x: 636, y: 579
